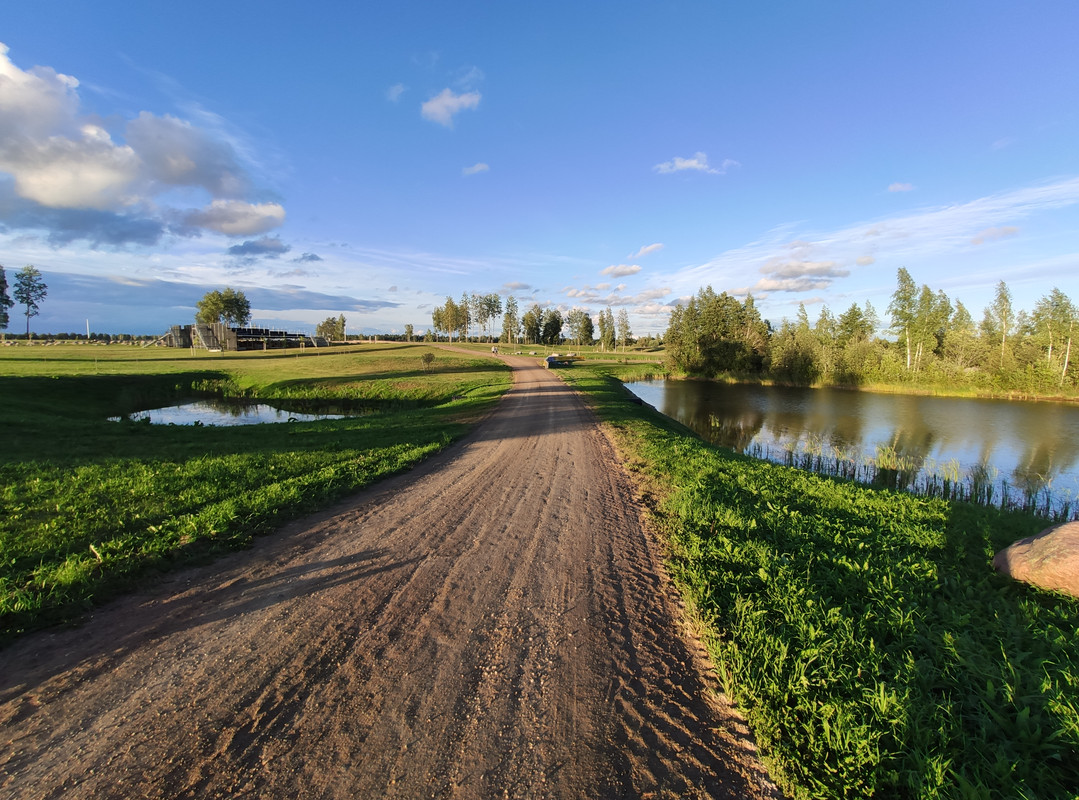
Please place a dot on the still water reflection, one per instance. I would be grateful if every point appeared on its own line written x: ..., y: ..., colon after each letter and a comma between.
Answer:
x: 223, y: 412
x: 997, y: 451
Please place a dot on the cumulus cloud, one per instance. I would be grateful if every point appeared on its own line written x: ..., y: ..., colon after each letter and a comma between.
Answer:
x: 271, y: 246
x: 989, y: 234
x: 443, y: 106
x: 237, y: 218
x: 620, y: 270
x: 174, y: 152
x: 307, y: 258
x: 516, y: 286
x: 901, y: 187
x: 698, y: 163
x: 475, y: 168
x: 646, y: 250
x: 864, y: 261
x: 590, y: 295
x: 58, y: 160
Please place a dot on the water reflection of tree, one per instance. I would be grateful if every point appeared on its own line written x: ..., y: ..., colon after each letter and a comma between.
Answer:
x: 903, y: 457
x: 1045, y: 457
x: 725, y: 419
x: 736, y: 433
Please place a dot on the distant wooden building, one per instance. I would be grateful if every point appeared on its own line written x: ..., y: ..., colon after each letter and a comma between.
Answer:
x: 217, y: 337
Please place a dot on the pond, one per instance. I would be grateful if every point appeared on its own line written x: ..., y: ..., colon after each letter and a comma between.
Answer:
x: 1011, y: 453
x: 223, y: 412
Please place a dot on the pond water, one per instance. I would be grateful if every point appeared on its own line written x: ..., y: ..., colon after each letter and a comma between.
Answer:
x: 223, y: 412
x: 1020, y: 454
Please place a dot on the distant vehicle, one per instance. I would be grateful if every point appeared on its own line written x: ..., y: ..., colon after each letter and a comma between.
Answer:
x: 555, y: 360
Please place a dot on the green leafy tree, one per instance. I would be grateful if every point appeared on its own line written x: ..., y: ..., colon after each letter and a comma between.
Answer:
x: 580, y: 326
x: 607, y: 332
x: 332, y: 328
x: 5, y: 301
x: 30, y: 291
x: 552, y: 327
x: 465, y: 317
x: 1054, y: 324
x: 408, y: 332
x: 230, y: 307
x: 624, y: 331
x: 532, y: 322
x: 999, y: 320
x: 450, y: 318
x: 511, y: 322
x: 961, y: 344
x: 903, y: 310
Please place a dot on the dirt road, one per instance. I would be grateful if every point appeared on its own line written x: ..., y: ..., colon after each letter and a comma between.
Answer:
x: 492, y: 624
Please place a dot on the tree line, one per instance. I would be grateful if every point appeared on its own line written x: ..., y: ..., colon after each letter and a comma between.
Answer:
x: 537, y: 325
x: 936, y: 341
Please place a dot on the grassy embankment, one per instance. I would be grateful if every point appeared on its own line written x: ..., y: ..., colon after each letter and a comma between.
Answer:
x: 862, y: 631
x: 88, y: 507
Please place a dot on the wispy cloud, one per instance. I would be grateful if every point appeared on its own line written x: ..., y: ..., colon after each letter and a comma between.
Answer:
x: 393, y: 94
x: 646, y: 250
x: 443, y: 106
x: 989, y: 234
x: 697, y: 163
x: 620, y: 270
x: 815, y: 261
x: 475, y: 169
x: 901, y: 187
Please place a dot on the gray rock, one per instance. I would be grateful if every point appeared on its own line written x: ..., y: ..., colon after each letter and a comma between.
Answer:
x: 1049, y: 560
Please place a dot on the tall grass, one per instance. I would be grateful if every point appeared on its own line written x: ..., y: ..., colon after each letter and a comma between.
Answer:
x: 88, y: 507
x: 862, y: 630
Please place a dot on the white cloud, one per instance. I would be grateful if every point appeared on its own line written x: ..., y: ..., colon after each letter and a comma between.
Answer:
x: 393, y: 94
x: 620, y: 270
x: 646, y: 250
x: 89, y: 171
x: 698, y: 163
x: 442, y: 107
x: 36, y: 102
x: 237, y: 218
x: 72, y: 179
x: 476, y: 168
x: 901, y: 187
x: 795, y: 269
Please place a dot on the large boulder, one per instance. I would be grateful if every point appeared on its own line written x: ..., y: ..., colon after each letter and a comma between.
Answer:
x: 1049, y: 560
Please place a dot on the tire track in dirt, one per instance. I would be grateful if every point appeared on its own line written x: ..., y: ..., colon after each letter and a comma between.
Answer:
x: 491, y: 624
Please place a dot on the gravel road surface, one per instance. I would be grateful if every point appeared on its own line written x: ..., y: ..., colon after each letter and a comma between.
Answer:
x: 492, y: 624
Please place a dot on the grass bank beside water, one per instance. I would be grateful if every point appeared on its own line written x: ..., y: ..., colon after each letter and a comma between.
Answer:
x: 861, y: 631
x: 89, y: 507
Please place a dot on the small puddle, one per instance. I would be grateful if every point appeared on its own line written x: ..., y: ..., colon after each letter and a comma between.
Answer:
x: 222, y: 412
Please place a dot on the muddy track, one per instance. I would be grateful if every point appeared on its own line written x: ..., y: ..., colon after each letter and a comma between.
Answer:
x: 491, y: 624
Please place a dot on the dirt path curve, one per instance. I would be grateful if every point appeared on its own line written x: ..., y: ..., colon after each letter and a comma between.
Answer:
x: 491, y: 624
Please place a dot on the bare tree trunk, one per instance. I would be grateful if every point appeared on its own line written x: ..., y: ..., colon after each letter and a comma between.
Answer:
x: 1067, y: 356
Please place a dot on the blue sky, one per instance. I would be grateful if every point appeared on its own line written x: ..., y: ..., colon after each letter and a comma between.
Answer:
x: 370, y: 159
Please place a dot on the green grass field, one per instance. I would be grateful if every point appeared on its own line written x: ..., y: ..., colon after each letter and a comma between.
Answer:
x: 861, y: 631
x: 89, y: 507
